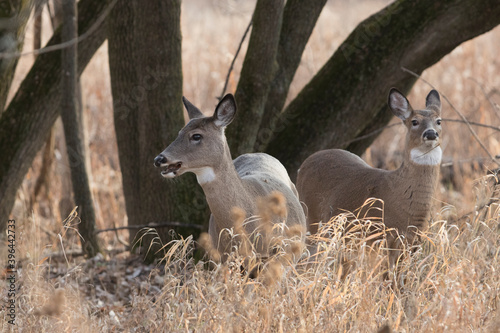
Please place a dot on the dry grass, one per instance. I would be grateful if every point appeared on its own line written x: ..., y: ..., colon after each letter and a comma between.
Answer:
x: 450, y: 283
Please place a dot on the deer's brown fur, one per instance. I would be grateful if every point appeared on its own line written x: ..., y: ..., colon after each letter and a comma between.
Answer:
x: 201, y: 148
x: 333, y: 181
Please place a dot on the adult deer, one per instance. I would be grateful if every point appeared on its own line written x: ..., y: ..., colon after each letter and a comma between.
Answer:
x: 332, y: 181
x: 201, y: 148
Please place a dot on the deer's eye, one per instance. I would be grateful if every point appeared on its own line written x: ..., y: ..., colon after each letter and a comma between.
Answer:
x: 438, y: 122
x: 196, y: 137
x: 414, y: 122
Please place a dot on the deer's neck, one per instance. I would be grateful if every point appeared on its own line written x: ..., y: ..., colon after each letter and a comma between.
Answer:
x: 223, y: 190
x: 418, y: 175
x: 417, y: 183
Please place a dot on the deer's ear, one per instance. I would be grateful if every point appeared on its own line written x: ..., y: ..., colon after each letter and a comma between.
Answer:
x: 193, y: 111
x: 225, y: 111
x: 433, y: 101
x: 399, y: 104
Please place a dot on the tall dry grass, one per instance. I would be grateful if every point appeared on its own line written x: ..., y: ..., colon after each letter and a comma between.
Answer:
x: 448, y: 284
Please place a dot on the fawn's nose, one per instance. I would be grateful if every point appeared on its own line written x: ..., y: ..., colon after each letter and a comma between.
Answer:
x: 159, y: 160
x: 430, y: 135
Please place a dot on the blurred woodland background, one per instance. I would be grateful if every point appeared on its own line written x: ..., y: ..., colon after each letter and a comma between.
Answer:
x: 310, y: 75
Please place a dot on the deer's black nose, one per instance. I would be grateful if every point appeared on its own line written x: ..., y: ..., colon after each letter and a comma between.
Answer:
x: 431, y: 134
x: 159, y: 160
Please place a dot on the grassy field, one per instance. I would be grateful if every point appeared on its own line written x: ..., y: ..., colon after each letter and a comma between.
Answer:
x: 449, y: 284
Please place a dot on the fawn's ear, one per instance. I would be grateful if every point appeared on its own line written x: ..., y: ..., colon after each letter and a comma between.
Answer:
x: 225, y: 111
x: 399, y: 104
x: 193, y: 111
x: 433, y: 101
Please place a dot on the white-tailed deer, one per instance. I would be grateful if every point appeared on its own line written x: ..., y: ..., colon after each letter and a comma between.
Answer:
x: 333, y: 181
x: 201, y: 148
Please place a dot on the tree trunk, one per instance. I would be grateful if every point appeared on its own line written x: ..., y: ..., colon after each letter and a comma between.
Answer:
x: 258, y: 70
x: 299, y: 19
x: 14, y: 15
x: 347, y: 97
x: 146, y: 82
x: 73, y: 131
x: 26, y: 122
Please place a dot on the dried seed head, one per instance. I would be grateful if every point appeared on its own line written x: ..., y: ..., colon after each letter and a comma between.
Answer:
x: 55, y: 305
x: 273, y: 273
x: 238, y: 216
x: 277, y: 204
x: 295, y: 231
x: 296, y: 248
x: 206, y: 243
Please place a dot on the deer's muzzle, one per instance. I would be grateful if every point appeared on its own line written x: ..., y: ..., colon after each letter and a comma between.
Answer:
x: 430, y: 135
x: 160, y: 160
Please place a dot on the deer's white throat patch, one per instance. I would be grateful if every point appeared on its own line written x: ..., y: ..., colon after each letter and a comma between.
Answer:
x: 204, y: 175
x: 426, y: 156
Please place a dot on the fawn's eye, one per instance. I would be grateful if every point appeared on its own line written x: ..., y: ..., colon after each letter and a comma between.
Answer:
x: 438, y: 122
x: 196, y: 137
x: 414, y: 122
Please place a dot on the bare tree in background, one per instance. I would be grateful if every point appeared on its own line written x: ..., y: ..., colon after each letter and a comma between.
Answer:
x: 66, y: 202
x: 27, y: 120
x: 73, y: 131
x: 146, y: 82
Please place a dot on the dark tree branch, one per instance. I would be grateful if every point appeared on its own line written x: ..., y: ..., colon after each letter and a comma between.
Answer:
x: 257, y: 73
x: 14, y: 15
x: 55, y: 47
x: 347, y: 97
x: 299, y: 19
x: 37, y: 25
x: 73, y: 130
x: 26, y: 122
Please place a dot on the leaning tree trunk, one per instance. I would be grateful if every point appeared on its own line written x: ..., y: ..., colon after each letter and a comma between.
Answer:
x: 347, y: 97
x: 73, y: 131
x: 26, y: 122
x: 14, y: 15
x: 146, y: 82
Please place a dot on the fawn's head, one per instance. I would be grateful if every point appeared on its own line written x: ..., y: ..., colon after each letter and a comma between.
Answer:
x: 424, y: 127
x: 201, y: 144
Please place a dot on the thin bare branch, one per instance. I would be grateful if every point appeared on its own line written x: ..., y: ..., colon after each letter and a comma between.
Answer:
x: 496, y: 128
x: 377, y: 131
x: 495, y: 108
x: 152, y: 225
x: 465, y: 161
x: 234, y: 59
x: 86, y: 34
